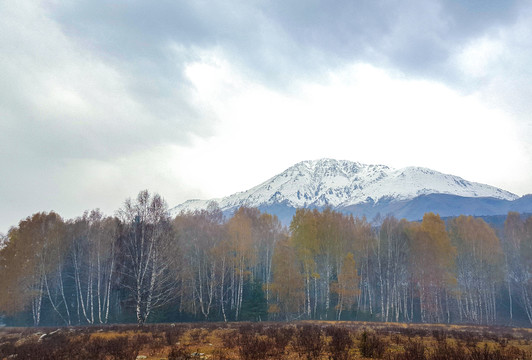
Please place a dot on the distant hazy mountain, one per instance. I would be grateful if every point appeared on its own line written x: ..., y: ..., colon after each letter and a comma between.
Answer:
x: 367, y: 190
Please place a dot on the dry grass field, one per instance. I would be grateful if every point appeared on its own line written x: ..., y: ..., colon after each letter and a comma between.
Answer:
x: 268, y: 340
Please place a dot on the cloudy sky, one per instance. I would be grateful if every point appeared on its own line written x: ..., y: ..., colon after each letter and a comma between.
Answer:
x: 197, y: 99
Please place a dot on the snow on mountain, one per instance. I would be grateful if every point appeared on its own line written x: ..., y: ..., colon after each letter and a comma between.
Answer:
x: 341, y: 183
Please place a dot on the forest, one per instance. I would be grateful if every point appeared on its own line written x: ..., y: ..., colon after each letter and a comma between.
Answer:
x: 143, y: 265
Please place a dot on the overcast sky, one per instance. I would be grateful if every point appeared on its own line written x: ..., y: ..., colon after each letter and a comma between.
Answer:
x: 198, y: 99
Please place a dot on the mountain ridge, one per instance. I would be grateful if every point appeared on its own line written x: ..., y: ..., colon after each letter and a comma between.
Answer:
x: 343, y: 184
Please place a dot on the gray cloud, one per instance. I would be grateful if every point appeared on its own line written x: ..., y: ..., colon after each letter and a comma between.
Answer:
x: 417, y: 37
x: 67, y: 100
x: 278, y: 40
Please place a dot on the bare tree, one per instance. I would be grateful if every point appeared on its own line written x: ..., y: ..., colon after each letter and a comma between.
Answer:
x: 201, y: 257
x: 391, y: 256
x: 93, y: 258
x: 518, y: 251
x: 149, y: 249
x: 479, y: 268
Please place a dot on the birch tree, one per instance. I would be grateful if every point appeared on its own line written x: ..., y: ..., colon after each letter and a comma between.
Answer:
x: 32, y: 262
x: 347, y: 285
x: 150, y: 250
x: 391, y: 251
x: 288, y: 287
x: 518, y: 252
x: 366, y: 240
x: 433, y: 258
x: 304, y: 229
x: 239, y: 230
x: 479, y: 268
x: 17, y: 266
x: 268, y: 230
x: 201, y: 233
x: 94, y: 261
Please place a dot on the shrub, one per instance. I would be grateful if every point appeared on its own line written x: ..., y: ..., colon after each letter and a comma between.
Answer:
x: 179, y: 353
x: 309, y: 341
x: 121, y: 348
x: 55, y: 345
x: 195, y: 335
x: 229, y: 339
x: 94, y: 349
x: 512, y: 352
x: 446, y: 351
x: 253, y: 346
x: 172, y: 335
x: 6, y: 349
x: 414, y: 350
x: 371, y: 345
x: 219, y: 354
x: 280, y: 337
x: 340, y: 342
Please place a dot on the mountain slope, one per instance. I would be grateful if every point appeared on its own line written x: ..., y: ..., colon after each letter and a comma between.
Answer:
x: 348, y: 185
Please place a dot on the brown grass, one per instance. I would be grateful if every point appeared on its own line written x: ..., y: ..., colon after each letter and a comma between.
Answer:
x: 300, y: 340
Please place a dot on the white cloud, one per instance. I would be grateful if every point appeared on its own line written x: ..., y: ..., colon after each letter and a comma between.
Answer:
x: 360, y: 113
x: 479, y: 56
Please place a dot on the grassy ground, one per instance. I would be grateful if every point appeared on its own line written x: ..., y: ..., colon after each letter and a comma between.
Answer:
x: 299, y: 340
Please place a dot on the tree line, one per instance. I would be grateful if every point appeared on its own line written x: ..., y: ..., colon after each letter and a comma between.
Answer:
x: 143, y: 265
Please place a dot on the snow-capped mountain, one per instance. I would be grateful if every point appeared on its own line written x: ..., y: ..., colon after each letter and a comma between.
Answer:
x: 344, y: 184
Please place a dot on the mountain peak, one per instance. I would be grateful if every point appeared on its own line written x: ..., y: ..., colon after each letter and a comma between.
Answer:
x: 343, y: 183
